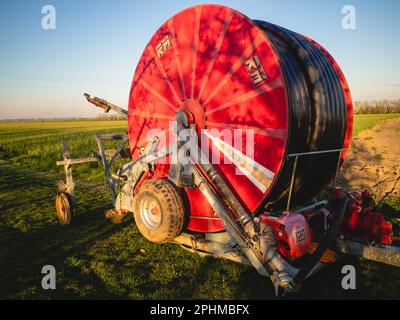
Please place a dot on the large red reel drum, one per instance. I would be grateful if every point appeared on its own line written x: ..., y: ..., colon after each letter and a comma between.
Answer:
x: 276, y: 92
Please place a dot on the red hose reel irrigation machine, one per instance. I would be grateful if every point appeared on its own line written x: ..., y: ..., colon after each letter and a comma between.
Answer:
x: 235, y: 126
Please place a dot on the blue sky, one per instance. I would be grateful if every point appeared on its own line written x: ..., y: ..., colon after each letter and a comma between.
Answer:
x: 96, y: 45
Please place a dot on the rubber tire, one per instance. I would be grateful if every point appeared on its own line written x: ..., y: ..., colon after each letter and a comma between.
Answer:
x: 171, y: 206
x: 63, y: 200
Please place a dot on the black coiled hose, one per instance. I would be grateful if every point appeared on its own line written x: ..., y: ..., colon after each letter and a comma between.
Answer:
x: 317, y: 115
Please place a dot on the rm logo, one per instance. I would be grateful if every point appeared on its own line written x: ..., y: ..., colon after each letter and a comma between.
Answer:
x: 255, y: 70
x: 163, y: 46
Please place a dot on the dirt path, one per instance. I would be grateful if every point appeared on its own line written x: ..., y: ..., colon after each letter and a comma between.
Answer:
x: 373, y: 161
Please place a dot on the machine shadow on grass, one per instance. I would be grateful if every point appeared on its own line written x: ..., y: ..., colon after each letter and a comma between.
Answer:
x: 29, y: 245
x: 88, y: 252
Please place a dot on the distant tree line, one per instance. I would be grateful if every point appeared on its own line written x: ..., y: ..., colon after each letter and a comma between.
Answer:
x: 108, y: 116
x: 380, y: 106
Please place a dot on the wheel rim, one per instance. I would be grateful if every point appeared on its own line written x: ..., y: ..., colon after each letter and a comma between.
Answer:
x: 150, y: 212
x: 63, y: 208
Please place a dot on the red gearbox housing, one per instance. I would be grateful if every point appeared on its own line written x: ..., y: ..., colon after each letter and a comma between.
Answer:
x: 292, y: 233
x: 362, y: 222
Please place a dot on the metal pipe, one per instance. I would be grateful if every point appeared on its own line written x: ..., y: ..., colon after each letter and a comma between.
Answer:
x: 261, y: 252
x: 230, y: 199
x: 113, y: 136
x: 281, y: 271
x: 337, y: 170
x: 117, y: 152
x: 315, y: 152
x: 292, y: 183
x: 105, y: 105
x: 229, y: 222
x: 109, y: 179
x: 265, y: 258
x: 311, y: 207
x: 384, y: 254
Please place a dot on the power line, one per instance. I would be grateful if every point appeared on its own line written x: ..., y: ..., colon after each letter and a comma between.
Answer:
x: 30, y: 77
x: 35, y: 87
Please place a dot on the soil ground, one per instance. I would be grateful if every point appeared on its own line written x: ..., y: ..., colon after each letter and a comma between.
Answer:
x: 373, y: 161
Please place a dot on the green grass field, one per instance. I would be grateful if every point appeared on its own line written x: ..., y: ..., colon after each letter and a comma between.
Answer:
x: 368, y: 121
x: 97, y: 259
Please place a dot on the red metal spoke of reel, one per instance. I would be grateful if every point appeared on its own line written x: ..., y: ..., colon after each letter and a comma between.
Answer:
x: 151, y: 111
x: 195, y: 49
x: 157, y: 94
x: 213, y: 27
x: 165, y: 76
x: 240, y: 43
x: 272, y: 133
x: 154, y: 115
x: 265, y: 88
x: 178, y: 60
